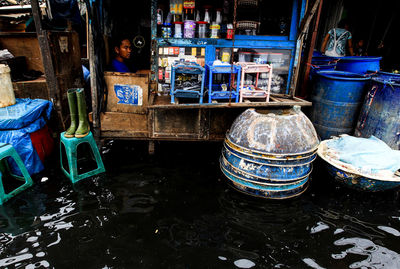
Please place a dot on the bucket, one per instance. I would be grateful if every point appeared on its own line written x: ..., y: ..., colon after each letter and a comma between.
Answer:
x: 7, y: 97
x: 337, y: 97
x: 380, y: 112
x: 359, y: 64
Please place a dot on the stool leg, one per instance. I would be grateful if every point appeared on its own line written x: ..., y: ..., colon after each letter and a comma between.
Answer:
x: 97, y: 156
x: 12, y: 153
x: 22, y: 168
x: 73, y: 163
x: 62, y: 146
x: 2, y: 192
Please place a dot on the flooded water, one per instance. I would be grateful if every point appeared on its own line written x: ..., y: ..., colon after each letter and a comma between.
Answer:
x: 175, y: 210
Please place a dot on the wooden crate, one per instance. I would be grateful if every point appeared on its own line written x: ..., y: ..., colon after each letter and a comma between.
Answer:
x: 127, y: 92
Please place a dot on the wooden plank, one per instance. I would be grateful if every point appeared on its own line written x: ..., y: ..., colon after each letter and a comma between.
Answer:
x: 125, y: 135
x: 114, y: 104
x: 129, y: 122
x: 294, y: 102
x: 275, y: 99
x: 163, y: 102
x: 175, y: 123
x: 33, y: 89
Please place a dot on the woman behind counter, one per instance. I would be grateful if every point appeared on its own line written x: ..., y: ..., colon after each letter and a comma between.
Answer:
x: 123, y: 50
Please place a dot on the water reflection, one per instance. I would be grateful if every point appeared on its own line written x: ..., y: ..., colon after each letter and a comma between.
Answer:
x: 377, y: 256
x: 176, y: 211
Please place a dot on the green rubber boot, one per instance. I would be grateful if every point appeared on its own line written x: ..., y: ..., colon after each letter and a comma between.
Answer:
x: 83, y: 127
x: 73, y: 112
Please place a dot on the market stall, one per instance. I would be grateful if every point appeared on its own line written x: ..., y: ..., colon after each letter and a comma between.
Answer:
x: 190, y: 87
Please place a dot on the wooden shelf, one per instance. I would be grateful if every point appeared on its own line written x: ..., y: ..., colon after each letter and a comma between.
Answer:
x: 276, y: 100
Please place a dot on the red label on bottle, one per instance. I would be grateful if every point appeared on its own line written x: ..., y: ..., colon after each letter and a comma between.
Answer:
x: 229, y: 34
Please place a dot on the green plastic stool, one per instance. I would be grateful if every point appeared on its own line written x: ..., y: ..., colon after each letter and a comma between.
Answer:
x: 6, y: 150
x: 71, y: 146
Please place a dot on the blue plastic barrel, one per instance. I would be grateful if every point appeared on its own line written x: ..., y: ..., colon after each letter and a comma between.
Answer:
x: 337, y: 97
x: 380, y: 112
x: 358, y: 64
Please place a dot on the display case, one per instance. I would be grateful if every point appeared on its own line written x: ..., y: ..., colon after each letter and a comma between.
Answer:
x: 259, y: 38
x: 168, y: 55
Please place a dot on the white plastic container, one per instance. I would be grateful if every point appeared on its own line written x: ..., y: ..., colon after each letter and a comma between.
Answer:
x: 7, y: 97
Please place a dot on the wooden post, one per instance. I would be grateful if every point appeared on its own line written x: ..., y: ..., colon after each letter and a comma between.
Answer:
x: 46, y: 55
x: 310, y: 53
x: 304, y: 26
x: 93, y: 82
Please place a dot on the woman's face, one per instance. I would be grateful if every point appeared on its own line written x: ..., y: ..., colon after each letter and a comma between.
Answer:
x: 124, y: 50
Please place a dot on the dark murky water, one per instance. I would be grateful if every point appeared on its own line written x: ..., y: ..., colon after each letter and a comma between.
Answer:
x: 175, y: 210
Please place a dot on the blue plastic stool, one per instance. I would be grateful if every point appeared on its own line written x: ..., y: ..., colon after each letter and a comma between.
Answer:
x: 6, y: 150
x: 71, y: 146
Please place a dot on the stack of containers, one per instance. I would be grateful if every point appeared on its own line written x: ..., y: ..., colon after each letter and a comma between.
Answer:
x: 269, y: 154
x: 337, y: 95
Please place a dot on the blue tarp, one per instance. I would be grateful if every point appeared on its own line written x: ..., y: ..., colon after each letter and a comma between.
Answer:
x: 368, y: 154
x: 17, y: 122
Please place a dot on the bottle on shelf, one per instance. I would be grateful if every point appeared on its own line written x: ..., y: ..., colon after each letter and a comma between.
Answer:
x: 207, y: 15
x: 215, y: 30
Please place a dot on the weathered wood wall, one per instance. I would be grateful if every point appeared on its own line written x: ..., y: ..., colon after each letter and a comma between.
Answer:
x: 23, y: 44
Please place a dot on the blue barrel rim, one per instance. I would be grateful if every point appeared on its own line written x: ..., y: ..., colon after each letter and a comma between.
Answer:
x: 324, y: 57
x: 379, y: 72
x: 329, y: 65
x: 360, y: 58
x: 387, y: 81
x: 343, y: 75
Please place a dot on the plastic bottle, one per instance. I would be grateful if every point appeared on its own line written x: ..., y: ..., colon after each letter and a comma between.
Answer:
x: 7, y: 97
